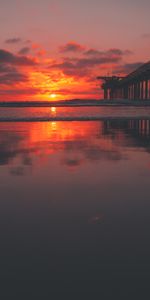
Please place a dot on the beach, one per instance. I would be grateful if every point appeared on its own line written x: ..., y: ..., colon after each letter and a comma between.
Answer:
x: 70, y: 209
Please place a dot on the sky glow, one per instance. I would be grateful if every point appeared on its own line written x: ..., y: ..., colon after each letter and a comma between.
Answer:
x: 59, y: 47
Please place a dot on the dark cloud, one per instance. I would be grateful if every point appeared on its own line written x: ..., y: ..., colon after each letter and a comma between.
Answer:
x: 24, y: 50
x: 12, y: 78
x: 120, y: 52
x: 72, y: 47
x: 81, y: 67
x: 70, y: 68
x: 10, y: 58
x: 6, y: 68
x: 92, y: 52
x: 89, y: 60
x: 13, y: 40
x: 113, y: 51
x: 10, y: 75
x: 127, y: 68
x: 25, y: 91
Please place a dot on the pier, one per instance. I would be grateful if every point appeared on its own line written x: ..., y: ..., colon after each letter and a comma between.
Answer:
x: 134, y: 86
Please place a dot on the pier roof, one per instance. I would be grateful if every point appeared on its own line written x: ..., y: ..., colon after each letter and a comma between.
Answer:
x: 143, y: 72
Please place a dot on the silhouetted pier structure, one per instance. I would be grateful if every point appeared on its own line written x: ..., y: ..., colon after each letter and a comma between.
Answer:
x: 136, y: 85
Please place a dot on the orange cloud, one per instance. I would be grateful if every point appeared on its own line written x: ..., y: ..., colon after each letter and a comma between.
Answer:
x: 38, y: 76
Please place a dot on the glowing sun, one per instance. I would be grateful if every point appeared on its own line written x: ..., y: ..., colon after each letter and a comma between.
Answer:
x: 53, y: 96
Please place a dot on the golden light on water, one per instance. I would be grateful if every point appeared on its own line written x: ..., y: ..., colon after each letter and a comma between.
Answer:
x: 53, y: 109
x: 53, y: 126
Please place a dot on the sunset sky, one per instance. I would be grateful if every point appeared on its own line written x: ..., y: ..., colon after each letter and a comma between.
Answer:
x: 54, y: 49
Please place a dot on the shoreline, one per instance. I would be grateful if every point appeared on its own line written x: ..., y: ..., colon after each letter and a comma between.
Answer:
x: 72, y: 119
x: 76, y: 103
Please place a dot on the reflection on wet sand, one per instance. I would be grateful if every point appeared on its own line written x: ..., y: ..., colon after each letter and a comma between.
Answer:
x: 75, y: 200
x: 132, y: 133
x: 25, y: 145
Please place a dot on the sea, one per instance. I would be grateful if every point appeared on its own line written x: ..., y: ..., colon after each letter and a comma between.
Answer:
x: 75, y: 202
